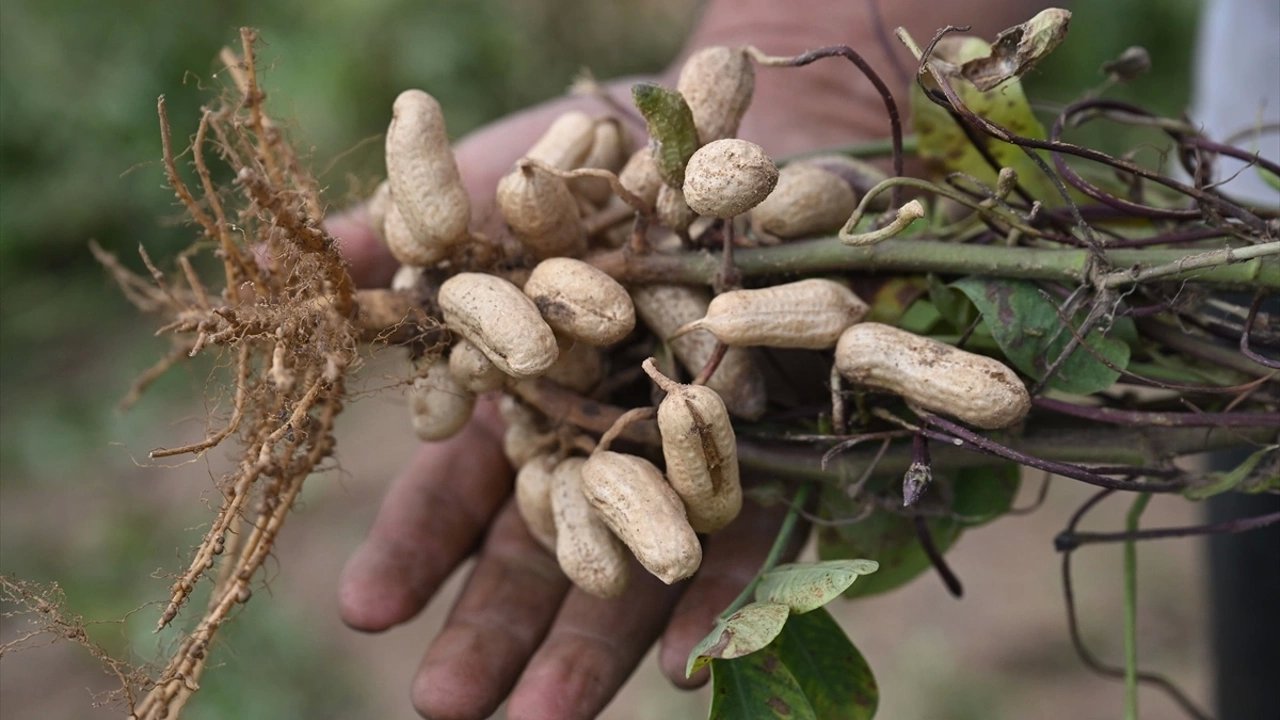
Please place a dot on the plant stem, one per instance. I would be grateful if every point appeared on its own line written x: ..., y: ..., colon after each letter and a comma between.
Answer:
x: 917, y: 255
x: 775, y: 552
x: 1131, y: 608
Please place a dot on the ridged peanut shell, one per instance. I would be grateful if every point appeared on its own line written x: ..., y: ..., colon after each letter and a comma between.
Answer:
x: 438, y: 405
x: 807, y: 200
x: 581, y: 301
x: 523, y: 439
x: 717, y: 83
x: 472, y: 368
x: 533, y: 500
x: 423, y: 173
x: 933, y: 375
x: 642, y: 510
x: 567, y: 142
x: 590, y: 555
x: 672, y: 210
x: 542, y: 212
x: 404, y: 246
x: 726, y: 178
x: 499, y: 320
x: 701, y: 452
x: 579, y: 368
x: 803, y: 314
x: 608, y: 152
x: 665, y: 308
x: 641, y: 177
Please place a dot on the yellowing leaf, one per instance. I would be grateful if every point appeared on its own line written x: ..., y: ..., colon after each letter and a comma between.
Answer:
x: 943, y: 143
x: 809, y: 586
x: 742, y: 633
x: 1018, y: 49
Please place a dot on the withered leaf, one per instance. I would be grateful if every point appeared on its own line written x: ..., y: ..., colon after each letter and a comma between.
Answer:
x: 1017, y: 49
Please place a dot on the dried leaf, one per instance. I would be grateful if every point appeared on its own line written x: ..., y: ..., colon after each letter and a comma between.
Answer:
x: 1018, y: 49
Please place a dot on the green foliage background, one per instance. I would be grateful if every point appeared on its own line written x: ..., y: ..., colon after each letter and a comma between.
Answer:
x: 79, y: 159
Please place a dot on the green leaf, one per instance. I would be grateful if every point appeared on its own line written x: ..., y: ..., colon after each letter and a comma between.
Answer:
x: 952, y: 305
x: 887, y: 538
x: 835, y: 678
x: 983, y: 494
x: 742, y: 633
x: 978, y: 495
x: 757, y: 687
x: 893, y: 298
x: 944, y: 144
x: 808, y: 586
x: 1221, y: 482
x: 671, y: 126
x: 1028, y: 329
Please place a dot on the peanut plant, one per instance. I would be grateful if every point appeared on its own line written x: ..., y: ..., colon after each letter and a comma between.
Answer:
x: 1030, y: 303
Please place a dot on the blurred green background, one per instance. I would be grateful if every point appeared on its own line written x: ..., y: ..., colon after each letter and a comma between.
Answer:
x: 79, y: 159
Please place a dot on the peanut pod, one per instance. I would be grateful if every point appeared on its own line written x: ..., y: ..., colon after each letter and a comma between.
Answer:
x: 438, y: 405
x: 581, y: 301
x: 726, y: 178
x: 523, y: 439
x: 589, y: 554
x: 933, y: 375
x: 640, y: 175
x: 673, y: 211
x: 642, y: 510
x: 717, y: 83
x: 567, y: 142
x: 803, y: 314
x: 533, y: 499
x: 424, y: 177
x: 579, y: 368
x: 608, y: 152
x: 700, y: 450
x: 665, y: 308
x: 808, y: 200
x: 499, y: 320
x: 541, y: 211
x: 472, y: 368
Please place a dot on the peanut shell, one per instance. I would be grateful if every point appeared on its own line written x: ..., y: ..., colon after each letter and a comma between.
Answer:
x: 665, y: 308
x: 438, y: 405
x: 726, y: 178
x: 423, y: 174
x: 499, y: 320
x: 700, y: 450
x: 973, y: 388
x: 642, y: 510
x: 717, y: 83
x: 803, y: 314
x: 588, y: 552
x: 581, y: 301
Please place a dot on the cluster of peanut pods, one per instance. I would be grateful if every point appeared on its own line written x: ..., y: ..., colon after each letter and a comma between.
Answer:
x: 531, y: 307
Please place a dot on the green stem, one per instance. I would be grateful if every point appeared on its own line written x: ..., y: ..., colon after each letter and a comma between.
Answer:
x: 1131, y: 608
x: 915, y: 255
x: 775, y: 553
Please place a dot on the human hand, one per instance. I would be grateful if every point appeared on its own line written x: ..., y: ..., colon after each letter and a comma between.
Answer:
x: 519, y: 631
